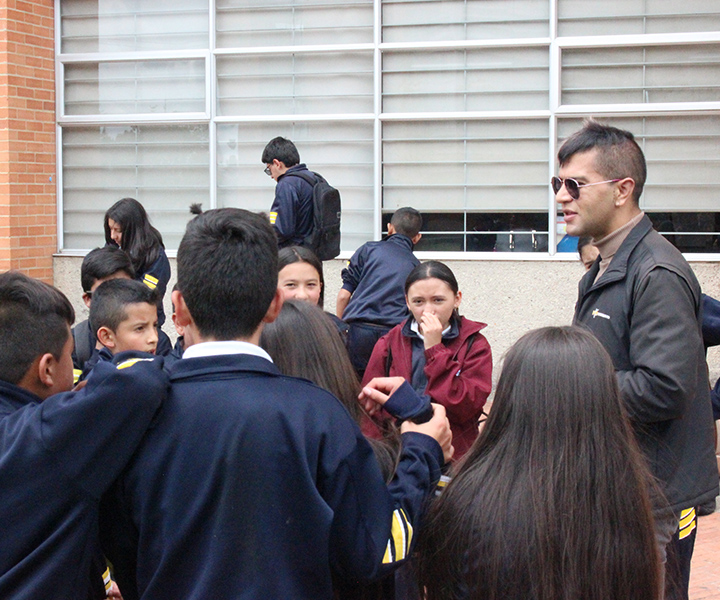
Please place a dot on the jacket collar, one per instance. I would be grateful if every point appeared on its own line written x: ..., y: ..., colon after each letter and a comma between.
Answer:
x: 186, y: 368
x: 400, y: 240
x: 459, y: 327
x: 619, y: 264
x: 14, y: 397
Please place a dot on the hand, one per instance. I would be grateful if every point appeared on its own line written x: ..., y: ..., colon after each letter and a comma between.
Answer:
x: 437, y: 428
x: 431, y: 328
x: 114, y: 591
x: 377, y: 391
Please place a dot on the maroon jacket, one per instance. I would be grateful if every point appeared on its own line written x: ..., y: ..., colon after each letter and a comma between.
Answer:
x: 458, y: 380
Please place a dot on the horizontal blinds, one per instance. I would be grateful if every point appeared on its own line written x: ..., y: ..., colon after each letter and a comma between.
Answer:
x: 684, y: 73
x: 466, y: 80
x: 307, y: 83
x: 342, y: 152
x: 164, y: 167
x: 289, y: 23
x: 683, y: 160
x: 133, y: 25
x: 491, y: 166
x: 167, y: 86
x: 618, y: 17
x: 453, y: 20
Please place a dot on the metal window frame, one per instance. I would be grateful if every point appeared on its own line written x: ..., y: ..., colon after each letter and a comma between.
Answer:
x: 377, y: 117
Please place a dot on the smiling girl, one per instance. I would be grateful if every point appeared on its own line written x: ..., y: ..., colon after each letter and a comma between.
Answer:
x: 443, y: 355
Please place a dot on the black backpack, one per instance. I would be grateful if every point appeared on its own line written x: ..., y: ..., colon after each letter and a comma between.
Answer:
x: 324, y: 239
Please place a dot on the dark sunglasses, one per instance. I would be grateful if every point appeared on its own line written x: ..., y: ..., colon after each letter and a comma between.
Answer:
x: 573, y: 187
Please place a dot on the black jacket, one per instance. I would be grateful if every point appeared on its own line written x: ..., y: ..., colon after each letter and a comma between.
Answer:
x: 645, y: 310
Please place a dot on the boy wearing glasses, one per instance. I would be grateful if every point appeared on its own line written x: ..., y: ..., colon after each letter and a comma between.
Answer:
x: 642, y: 301
x: 291, y: 214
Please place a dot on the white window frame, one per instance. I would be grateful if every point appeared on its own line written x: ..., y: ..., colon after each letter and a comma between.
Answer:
x: 555, y: 111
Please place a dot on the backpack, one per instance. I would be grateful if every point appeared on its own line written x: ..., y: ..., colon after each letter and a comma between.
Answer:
x: 324, y: 239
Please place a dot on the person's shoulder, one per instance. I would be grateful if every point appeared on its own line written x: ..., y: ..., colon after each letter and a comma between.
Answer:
x: 653, y: 251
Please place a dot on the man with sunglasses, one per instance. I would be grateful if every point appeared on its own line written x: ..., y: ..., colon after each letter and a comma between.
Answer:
x: 642, y: 301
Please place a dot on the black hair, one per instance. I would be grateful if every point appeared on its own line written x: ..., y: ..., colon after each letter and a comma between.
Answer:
x: 35, y: 319
x: 618, y: 155
x: 111, y: 298
x: 432, y: 269
x: 407, y: 221
x: 304, y: 342
x: 227, y: 271
x: 140, y: 240
x: 281, y: 149
x: 552, y: 499
x: 101, y: 263
x: 583, y: 241
x: 299, y: 254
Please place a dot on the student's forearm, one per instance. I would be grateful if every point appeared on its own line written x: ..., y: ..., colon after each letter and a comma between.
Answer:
x: 343, y: 298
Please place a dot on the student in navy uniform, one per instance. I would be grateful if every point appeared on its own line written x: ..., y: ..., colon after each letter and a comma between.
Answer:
x: 59, y: 451
x: 252, y: 483
x: 128, y: 227
x: 372, y: 298
x: 291, y: 213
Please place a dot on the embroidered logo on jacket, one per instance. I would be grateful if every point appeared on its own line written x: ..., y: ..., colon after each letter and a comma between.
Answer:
x: 597, y: 313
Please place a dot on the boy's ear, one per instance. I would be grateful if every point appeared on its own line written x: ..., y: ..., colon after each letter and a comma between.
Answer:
x: 416, y: 239
x: 87, y: 299
x: 42, y: 377
x: 275, y: 307
x: 106, y: 337
x: 391, y: 229
x: 182, y: 314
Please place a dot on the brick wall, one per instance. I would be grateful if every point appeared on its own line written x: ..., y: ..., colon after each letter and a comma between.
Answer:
x: 27, y: 138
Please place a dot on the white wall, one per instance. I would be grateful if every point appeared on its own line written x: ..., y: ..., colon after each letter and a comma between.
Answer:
x: 512, y: 297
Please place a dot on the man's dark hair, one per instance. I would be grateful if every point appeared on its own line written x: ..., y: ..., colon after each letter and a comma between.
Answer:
x: 111, y: 298
x: 407, y: 221
x: 282, y: 149
x: 618, y: 155
x: 227, y: 266
x: 35, y: 319
x: 104, y: 262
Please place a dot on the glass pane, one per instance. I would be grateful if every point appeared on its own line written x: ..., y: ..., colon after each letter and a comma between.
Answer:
x: 466, y: 80
x: 489, y: 166
x: 617, y: 17
x: 341, y: 152
x: 295, y: 84
x: 293, y: 23
x: 433, y: 20
x: 133, y: 25
x: 683, y: 162
x: 641, y: 74
x: 167, y: 86
x: 690, y: 232
x: 165, y: 167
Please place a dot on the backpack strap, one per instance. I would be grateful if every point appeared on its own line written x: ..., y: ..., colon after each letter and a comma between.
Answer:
x: 388, y: 361
x: 309, y: 176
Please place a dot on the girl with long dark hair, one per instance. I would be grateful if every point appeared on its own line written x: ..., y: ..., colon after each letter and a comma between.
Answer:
x: 128, y: 227
x: 551, y: 502
x: 300, y: 277
x: 443, y: 355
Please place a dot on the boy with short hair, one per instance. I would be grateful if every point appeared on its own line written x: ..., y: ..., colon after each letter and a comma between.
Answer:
x: 58, y: 451
x: 123, y: 315
x: 253, y: 484
x: 98, y: 266
x: 372, y: 298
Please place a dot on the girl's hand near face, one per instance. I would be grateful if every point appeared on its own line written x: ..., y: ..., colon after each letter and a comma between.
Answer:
x: 431, y: 328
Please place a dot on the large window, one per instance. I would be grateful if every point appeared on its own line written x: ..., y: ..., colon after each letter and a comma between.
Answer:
x: 456, y: 107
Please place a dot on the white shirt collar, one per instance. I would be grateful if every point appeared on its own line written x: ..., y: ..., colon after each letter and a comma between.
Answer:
x: 223, y: 348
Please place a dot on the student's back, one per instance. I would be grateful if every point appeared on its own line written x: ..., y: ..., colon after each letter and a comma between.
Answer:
x: 252, y: 484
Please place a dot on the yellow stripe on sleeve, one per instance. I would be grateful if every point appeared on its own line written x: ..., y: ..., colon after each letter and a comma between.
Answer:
x: 401, y: 533
x: 76, y: 375
x: 107, y: 581
x: 688, y: 523
x: 273, y: 218
x: 150, y: 281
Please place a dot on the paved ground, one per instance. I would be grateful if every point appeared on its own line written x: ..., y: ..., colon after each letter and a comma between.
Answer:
x: 705, y: 568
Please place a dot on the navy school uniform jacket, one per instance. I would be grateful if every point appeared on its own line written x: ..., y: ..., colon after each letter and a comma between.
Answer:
x: 253, y: 484
x: 57, y: 457
x: 375, y: 276
x: 291, y: 213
